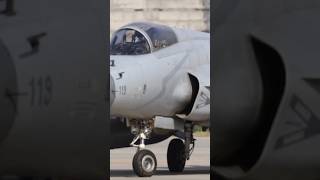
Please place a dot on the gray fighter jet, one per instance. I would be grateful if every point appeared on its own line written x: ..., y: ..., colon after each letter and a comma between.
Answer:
x: 159, y: 86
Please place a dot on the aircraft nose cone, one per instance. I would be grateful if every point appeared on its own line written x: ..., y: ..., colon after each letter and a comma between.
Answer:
x: 112, y: 90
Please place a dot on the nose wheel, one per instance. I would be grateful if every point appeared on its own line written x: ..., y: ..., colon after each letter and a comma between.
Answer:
x: 144, y: 162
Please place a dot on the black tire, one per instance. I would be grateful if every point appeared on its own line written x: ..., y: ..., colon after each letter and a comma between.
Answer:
x: 144, y: 163
x: 176, y: 155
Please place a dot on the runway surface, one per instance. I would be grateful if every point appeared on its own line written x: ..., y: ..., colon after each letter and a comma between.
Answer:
x: 197, y: 168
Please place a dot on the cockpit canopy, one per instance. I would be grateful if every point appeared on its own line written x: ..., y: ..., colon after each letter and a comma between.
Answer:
x: 141, y: 38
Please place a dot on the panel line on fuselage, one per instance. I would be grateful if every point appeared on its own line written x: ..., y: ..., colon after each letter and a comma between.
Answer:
x: 166, y: 79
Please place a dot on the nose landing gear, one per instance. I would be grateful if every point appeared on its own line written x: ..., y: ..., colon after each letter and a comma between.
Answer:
x: 144, y: 162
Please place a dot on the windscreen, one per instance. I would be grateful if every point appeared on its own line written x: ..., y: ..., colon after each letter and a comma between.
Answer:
x: 160, y: 35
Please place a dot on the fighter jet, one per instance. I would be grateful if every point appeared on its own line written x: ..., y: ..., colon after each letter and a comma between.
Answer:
x: 159, y: 86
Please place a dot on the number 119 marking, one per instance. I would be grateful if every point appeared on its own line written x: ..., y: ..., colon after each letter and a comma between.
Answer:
x: 41, y: 90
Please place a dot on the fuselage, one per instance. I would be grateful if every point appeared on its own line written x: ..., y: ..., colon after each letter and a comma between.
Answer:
x: 157, y: 84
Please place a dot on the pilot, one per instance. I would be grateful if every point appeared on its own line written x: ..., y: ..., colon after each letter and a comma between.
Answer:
x: 142, y: 43
x: 132, y: 43
x: 129, y: 36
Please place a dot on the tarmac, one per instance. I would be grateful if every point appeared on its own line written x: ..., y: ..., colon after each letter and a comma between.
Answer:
x: 197, y: 168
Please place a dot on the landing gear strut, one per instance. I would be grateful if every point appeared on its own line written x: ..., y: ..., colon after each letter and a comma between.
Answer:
x: 179, y: 152
x: 144, y: 162
x: 189, y: 140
